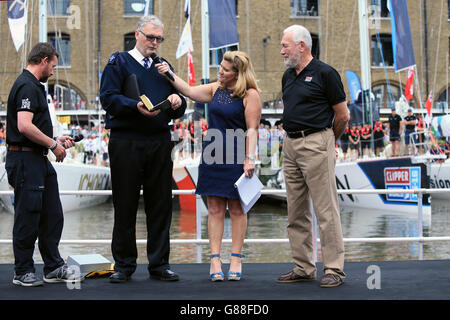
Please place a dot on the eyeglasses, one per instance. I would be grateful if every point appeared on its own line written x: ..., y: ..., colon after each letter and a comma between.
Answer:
x: 151, y: 37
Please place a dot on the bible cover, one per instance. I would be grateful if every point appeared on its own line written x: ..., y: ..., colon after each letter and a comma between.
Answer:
x: 163, y: 106
x: 130, y: 87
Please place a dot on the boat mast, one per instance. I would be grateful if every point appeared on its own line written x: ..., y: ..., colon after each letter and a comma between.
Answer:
x: 43, y: 29
x: 42, y: 20
x: 365, y: 65
x: 205, y: 47
x: 364, y: 50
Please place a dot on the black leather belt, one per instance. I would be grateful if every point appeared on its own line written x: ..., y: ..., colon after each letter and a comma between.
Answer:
x: 302, y: 133
x: 41, y: 151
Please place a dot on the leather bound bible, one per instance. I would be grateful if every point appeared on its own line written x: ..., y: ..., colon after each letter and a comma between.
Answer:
x: 163, y: 106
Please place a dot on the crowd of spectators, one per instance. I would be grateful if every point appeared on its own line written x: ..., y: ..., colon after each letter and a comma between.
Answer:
x: 356, y: 142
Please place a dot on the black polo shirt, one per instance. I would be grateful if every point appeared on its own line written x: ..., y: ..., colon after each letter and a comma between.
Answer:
x: 27, y: 95
x: 394, y: 123
x: 410, y: 127
x: 309, y: 96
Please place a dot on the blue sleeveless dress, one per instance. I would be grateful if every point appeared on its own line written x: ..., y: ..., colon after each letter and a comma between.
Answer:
x: 223, y: 151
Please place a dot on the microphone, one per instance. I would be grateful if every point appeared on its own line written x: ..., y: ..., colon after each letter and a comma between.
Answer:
x: 77, y: 137
x: 158, y: 60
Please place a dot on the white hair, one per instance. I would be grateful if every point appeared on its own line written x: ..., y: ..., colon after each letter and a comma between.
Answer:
x: 154, y: 20
x: 300, y: 33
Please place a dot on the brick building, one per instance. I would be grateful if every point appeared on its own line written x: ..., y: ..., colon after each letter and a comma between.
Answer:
x: 77, y: 29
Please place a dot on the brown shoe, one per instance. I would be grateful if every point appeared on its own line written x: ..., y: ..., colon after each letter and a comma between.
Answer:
x: 291, y: 276
x: 330, y: 280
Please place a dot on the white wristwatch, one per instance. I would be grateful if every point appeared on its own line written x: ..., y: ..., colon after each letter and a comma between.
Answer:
x: 54, y: 145
x: 253, y: 158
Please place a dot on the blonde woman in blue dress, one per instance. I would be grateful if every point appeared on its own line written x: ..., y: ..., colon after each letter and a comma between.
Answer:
x: 234, y: 105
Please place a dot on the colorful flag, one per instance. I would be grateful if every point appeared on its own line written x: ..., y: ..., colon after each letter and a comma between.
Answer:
x: 429, y: 103
x: 190, y: 65
x: 401, y: 35
x: 409, y: 88
x: 185, y: 43
x: 17, y: 19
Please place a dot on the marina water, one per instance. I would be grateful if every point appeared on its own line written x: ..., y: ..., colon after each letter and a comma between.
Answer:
x: 268, y: 219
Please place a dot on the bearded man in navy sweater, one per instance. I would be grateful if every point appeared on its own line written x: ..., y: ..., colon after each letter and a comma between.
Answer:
x: 140, y: 153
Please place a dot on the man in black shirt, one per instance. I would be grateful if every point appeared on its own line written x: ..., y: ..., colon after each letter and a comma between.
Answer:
x: 315, y: 115
x: 395, y: 126
x: 37, y: 206
x: 410, y: 127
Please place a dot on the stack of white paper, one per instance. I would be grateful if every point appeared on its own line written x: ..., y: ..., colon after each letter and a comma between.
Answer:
x: 249, y: 190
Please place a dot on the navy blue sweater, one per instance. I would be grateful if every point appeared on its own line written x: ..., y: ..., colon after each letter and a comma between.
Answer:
x: 122, y: 115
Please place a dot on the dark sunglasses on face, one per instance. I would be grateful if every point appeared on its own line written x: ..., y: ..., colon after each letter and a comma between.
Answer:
x: 151, y: 37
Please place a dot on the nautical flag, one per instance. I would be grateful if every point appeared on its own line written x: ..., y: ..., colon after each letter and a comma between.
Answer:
x: 354, y: 85
x: 190, y: 65
x: 401, y: 35
x: 185, y: 43
x: 409, y: 88
x: 222, y: 24
x: 429, y: 103
x: 17, y: 18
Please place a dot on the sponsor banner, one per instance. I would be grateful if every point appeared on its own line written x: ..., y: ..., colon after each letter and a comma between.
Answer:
x: 402, y: 178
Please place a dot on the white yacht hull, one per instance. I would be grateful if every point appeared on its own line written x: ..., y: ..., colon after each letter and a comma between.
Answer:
x: 70, y: 177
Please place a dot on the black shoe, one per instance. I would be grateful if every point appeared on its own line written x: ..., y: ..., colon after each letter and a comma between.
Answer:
x: 119, y: 277
x: 165, y: 275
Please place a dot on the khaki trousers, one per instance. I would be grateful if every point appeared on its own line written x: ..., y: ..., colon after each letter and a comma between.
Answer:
x: 309, y: 166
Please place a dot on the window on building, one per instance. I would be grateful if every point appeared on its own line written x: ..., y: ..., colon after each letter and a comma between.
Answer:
x: 136, y: 7
x: 58, y: 7
x: 61, y: 42
x: 381, y: 46
x: 382, y: 7
x: 301, y: 8
x: 129, y: 41
x: 385, y: 96
x: 215, y: 56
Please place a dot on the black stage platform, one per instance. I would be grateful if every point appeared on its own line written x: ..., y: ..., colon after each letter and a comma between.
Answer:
x: 399, y: 280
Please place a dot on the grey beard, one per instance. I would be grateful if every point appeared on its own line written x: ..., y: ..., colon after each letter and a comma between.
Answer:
x: 292, y: 62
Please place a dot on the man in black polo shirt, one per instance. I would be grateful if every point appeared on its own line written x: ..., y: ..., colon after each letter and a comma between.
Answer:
x: 315, y: 116
x: 410, y: 127
x: 395, y: 126
x: 37, y: 207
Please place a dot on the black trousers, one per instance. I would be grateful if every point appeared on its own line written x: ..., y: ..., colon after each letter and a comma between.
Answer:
x: 136, y: 164
x: 37, y: 210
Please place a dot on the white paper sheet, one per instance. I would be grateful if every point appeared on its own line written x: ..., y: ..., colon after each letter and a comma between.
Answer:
x: 249, y: 190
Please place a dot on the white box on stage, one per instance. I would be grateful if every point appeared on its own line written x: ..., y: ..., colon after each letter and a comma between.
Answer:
x: 89, y: 263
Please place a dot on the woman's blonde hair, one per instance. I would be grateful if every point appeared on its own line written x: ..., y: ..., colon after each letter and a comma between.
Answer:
x: 241, y: 64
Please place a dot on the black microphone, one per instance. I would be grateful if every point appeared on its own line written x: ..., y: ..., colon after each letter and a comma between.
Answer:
x: 77, y: 137
x: 158, y: 60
